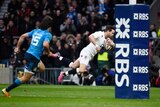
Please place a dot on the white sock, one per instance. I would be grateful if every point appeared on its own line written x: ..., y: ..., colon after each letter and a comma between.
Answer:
x: 66, y: 73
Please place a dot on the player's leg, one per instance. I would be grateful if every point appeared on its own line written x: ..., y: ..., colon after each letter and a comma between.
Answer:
x: 75, y: 64
x: 83, y: 62
x: 86, y: 77
x: 41, y: 66
x: 82, y: 69
x: 26, y: 76
x: 31, y: 63
x: 72, y: 71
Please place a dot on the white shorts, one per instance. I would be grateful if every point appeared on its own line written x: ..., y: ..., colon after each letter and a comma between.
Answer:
x: 85, y: 57
x: 25, y: 70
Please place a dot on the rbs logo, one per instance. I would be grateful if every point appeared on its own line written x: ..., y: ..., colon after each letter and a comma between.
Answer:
x: 123, y: 50
x: 122, y: 22
x: 140, y: 87
x: 141, y: 16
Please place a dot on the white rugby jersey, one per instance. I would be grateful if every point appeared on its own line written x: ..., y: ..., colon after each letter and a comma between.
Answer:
x: 100, y: 40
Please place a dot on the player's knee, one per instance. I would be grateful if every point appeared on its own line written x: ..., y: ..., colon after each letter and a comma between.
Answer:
x: 82, y: 69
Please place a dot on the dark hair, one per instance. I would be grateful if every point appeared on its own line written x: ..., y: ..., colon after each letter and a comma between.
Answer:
x: 46, y: 22
x: 109, y: 28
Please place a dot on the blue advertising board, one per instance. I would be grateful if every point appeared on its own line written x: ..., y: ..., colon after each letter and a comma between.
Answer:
x: 132, y: 51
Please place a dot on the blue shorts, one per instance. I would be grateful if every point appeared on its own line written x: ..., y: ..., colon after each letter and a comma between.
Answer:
x: 31, y: 61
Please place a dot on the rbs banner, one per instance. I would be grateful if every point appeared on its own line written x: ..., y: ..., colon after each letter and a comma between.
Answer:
x: 131, y: 51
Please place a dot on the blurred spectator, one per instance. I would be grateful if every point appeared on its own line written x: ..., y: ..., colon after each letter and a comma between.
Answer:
x: 33, y: 18
x: 53, y: 44
x: 68, y: 3
x: 68, y: 26
x: 63, y: 39
x: 24, y: 19
x: 78, y: 38
x: 107, y: 6
x: 70, y: 39
x: 90, y: 6
x: 74, y: 52
x: 105, y: 21
x: 79, y: 18
x: 12, y: 6
x: 14, y: 18
x: 58, y: 5
x: 66, y: 51
x: 82, y: 24
x: 45, y: 5
x: 5, y: 51
x: 6, y: 18
x: 26, y: 25
x: 2, y: 28
x: 44, y: 13
x: 37, y: 9
x: 37, y: 24
x: 101, y: 6
x: 72, y: 14
x: 106, y: 77
x: 11, y: 30
x: 12, y: 61
x: 58, y: 20
x: 24, y: 10
x: 78, y: 45
x: 153, y: 32
x: 93, y: 22
x: 15, y: 41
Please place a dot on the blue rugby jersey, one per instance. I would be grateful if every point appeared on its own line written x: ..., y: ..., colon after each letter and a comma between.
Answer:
x: 38, y: 37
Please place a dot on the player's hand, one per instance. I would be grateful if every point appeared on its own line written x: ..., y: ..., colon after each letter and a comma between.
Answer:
x: 53, y: 55
x: 16, y: 50
x: 109, y: 42
x: 108, y: 47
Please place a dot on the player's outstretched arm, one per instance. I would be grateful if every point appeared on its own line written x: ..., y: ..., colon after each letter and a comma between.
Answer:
x: 20, y: 41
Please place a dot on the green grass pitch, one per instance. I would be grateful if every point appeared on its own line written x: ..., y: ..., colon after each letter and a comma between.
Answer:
x: 73, y: 96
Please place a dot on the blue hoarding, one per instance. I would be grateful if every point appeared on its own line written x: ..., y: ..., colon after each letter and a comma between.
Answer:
x: 131, y: 51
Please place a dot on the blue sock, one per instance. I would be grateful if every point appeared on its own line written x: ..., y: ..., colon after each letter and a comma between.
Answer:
x: 16, y: 83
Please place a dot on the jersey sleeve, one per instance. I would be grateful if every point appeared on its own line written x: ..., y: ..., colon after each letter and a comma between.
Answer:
x: 48, y: 37
x: 30, y: 34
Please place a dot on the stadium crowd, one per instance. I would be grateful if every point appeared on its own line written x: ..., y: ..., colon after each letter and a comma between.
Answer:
x: 73, y: 20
